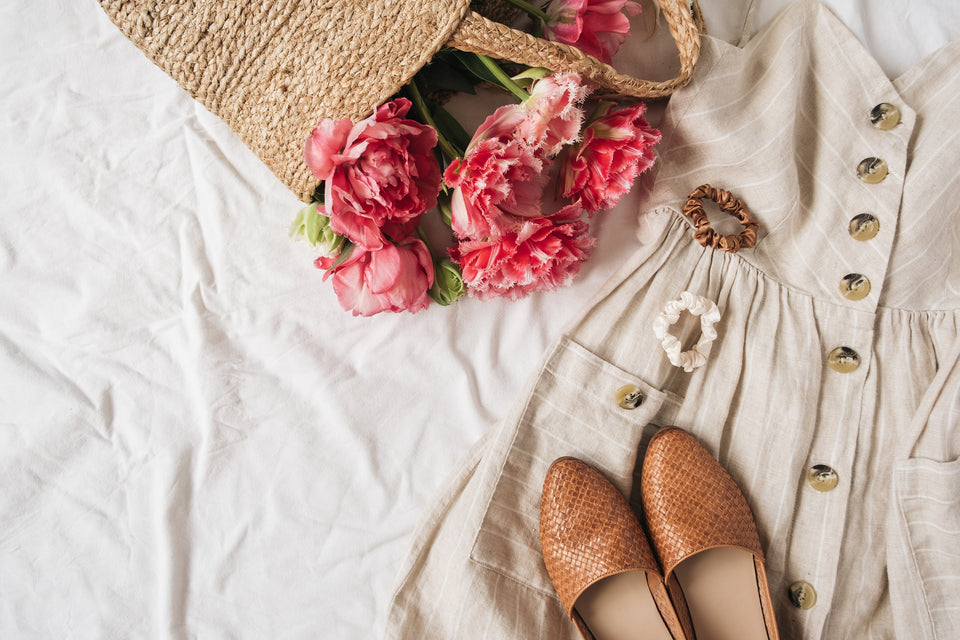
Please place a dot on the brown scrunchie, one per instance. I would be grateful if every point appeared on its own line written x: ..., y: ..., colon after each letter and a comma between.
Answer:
x: 705, y: 234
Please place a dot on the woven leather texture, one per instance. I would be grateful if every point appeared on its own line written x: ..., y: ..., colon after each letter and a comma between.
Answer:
x: 587, y: 530
x: 690, y: 502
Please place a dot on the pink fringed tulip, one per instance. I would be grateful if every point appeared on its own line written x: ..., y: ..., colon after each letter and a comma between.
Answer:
x: 501, y: 125
x: 539, y: 256
x: 498, y: 183
x: 617, y: 146
x: 596, y: 27
x: 380, y: 170
x: 553, y: 113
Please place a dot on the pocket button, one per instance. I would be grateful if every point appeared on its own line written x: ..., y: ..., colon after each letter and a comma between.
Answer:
x: 629, y: 396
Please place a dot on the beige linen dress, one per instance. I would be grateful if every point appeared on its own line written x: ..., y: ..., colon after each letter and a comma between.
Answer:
x: 851, y: 464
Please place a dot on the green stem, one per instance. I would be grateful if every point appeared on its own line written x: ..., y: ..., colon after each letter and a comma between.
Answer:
x: 536, y: 12
x: 443, y: 204
x: 421, y: 106
x: 602, y: 107
x: 505, y: 81
x: 345, y: 252
x: 423, y: 236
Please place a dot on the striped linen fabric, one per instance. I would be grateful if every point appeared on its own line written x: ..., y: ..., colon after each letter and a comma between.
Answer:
x: 783, y: 123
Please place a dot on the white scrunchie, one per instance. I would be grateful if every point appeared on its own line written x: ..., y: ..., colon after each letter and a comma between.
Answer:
x: 709, y: 316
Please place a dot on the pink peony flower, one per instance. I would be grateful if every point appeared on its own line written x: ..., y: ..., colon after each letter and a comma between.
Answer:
x: 539, y: 256
x: 553, y: 112
x: 395, y: 277
x: 382, y: 169
x: 497, y: 184
x: 617, y: 146
x: 596, y: 27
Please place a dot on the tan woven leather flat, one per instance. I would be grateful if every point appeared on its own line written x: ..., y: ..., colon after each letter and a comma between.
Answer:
x: 599, y: 559
x: 706, y: 539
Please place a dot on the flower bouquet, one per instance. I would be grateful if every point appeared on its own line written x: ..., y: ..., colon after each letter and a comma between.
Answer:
x: 518, y: 194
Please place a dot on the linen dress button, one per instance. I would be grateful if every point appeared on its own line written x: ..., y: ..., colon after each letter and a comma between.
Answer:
x: 872, y: 170
x: 803, y: 595
x: 843, y: 359
x: 629, y: 396
x: 854, y: 286
x: 864, y: 227
x: 822, y: 478
x: 885, y: 116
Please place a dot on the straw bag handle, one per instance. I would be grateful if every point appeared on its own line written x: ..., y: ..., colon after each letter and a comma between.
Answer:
x: 477, y: 34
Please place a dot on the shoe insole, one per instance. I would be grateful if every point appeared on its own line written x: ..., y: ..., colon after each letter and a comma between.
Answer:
x: 621, y: 607
x: 720, y: 587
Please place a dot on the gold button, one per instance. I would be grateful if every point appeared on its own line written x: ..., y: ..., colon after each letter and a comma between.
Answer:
x: 843, y: 359
x: 864, y: 227
x: 854, y: 286
x: 822, y: 478
x: 872, y: 170
x: 629, y: 396
x: 803, y: 595
x: 885, y: 116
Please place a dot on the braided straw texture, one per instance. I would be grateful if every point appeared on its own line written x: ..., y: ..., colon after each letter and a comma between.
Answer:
x: 272, y: 69
x: 704, y: 233
x: 480, y: 35
x: 496, y: 10
x: 691, y: 503
x: 587, y: 530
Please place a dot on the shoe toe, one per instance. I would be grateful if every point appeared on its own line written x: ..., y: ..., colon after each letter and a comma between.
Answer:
x: 691, y: 503
x: 587, y: 530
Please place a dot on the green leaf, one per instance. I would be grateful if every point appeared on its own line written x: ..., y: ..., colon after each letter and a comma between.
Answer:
x: 444, y: 206
x: 344, y: 254
x: 313, y: 226
x: 423, y: 113
x: 451, y: 127
x: 529, y: 77
x: 441, y: 75
x: 297, y: 227
x: 473, y: 64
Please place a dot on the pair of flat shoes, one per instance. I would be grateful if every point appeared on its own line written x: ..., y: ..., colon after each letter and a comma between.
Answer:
x: 700, y: 575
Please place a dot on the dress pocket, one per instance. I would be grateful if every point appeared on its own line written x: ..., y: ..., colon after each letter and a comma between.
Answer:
x: 927, y: 496
x: 581, y: 406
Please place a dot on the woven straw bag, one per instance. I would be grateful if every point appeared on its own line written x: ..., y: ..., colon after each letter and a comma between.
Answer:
x: 272, y: 69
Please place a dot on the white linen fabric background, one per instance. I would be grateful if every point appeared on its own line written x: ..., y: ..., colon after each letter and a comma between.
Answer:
x: 195, y: 440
